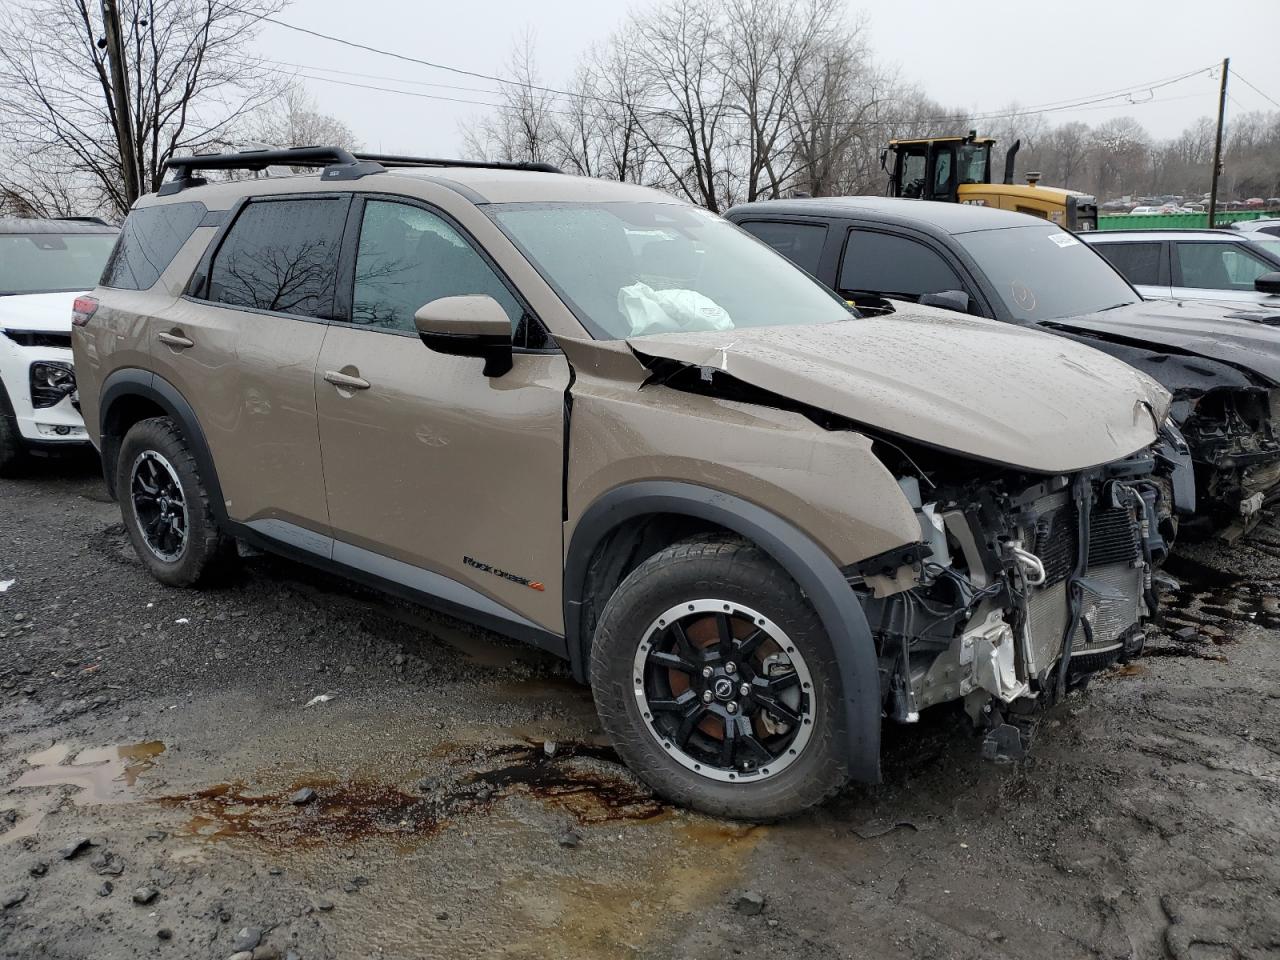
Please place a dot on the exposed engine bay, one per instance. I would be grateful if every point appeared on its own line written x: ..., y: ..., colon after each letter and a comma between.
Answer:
x: 1020, y: 584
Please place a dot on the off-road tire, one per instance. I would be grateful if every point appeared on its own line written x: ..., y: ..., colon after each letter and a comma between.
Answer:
x: 737, y: 572
x: 13, y: 453
x: 206, y: 551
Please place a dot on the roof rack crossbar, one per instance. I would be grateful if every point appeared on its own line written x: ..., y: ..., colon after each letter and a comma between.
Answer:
x: 339, y: 164
x: 260, y: 159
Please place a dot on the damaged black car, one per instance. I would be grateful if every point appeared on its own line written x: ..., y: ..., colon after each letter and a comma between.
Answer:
x: 1222, y: 366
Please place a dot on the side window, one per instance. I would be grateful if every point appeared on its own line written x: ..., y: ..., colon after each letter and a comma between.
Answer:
x: 149, y: 240
x: 281, y: 255
x: 801, y: 243
x: 1218, y: 266
x: 408, y: 257
x: 913, y: 173
x: 1137, y: 262
x: 883, y: 264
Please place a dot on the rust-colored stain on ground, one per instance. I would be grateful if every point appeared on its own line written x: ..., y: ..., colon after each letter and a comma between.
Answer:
x: 349, y: 810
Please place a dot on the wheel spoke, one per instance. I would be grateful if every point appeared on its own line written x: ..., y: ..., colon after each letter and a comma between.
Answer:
x: 783, y: 681
x: 755, y: 752
x: 672, y: 661
x: 725, y: 634
x: 747, y: 648
x: 684, y: 645
x: 779, y: 709
x: 692, y: 717
x: 678, y: 704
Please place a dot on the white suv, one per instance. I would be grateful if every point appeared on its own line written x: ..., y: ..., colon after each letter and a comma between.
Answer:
x: 44, y: 266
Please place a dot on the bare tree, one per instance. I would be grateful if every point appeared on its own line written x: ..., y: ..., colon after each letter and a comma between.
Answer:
x: 523, y: 128
x: 190, y: 79
x: 295, y: 120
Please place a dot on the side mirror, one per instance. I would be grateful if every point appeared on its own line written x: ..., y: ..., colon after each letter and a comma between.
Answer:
x: 1268, y: 282
x: 956, y: 300
x: 470, y: 326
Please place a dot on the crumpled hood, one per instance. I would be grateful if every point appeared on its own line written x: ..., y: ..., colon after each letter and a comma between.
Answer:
x: 1238, y: 335
x: 989, y: 390
x: 45, y: 312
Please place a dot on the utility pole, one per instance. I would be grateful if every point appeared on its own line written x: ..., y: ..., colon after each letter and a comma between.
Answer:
x: 1217, y: 143
x: 120, y: 95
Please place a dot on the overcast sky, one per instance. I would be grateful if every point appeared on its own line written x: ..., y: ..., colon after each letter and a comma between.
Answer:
x: 1035, y: 53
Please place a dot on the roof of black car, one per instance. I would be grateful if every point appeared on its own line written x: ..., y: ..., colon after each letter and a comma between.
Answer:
x: 944, y: 217
x: 24, y: 225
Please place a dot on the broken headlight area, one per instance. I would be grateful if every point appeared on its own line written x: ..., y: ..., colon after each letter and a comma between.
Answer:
x: 1232, y: 437
x: 51, y: 380
x: 1019, y: 584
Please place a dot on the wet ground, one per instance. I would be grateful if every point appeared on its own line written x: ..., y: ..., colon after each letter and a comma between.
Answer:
x: 173, y: 785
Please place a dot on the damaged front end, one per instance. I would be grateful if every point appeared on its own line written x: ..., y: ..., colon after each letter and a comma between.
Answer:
x: 1231, y: 434
x: 1020, y: 585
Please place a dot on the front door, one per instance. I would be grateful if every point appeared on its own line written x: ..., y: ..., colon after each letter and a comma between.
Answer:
x: 427, y: 462
x: 1207, y: 270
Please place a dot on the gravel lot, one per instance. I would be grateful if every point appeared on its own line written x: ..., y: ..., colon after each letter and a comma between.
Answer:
x: 166, y: 791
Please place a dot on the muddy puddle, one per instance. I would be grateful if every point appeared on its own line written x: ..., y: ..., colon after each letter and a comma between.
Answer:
x: 583, y: 780
x: 1211, y: 608
x: 102, y: 775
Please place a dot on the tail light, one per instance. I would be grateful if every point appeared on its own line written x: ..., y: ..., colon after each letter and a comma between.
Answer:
x: 82, y: 310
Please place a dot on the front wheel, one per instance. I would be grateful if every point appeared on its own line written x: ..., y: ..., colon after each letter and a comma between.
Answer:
x: 717, y: 684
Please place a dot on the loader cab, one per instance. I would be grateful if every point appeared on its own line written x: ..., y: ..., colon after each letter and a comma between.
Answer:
x: 959, y: 170
x: 936, y: 168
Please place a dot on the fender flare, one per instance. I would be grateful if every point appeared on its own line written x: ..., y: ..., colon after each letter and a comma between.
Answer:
x: 807, y: 563
x: 132, y: 382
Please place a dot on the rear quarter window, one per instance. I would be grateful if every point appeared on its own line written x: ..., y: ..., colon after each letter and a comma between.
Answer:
x: 148, y: 242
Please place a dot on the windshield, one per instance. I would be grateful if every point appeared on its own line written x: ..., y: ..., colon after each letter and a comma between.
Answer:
x: 629, y: 269
x: 1044, y: 273
x: 52, y: 262
x: 1271, y: 245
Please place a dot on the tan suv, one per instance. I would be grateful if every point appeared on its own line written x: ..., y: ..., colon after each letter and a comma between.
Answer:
x: 608, y: 422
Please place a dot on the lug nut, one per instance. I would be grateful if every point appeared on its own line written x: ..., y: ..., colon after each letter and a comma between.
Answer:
x: 707, y: 671
x: 730, y: 667
x: 745, y: 689
x: 706, y: 696
x: 731, y: 707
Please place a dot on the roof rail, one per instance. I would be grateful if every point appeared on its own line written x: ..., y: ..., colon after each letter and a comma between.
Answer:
x: 97, y: 221
x: 339, y: 164
x: 397, y: 160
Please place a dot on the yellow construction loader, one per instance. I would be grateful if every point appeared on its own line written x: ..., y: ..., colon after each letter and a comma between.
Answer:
x: 958, y: 170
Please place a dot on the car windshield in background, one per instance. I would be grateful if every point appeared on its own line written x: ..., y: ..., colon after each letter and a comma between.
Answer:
x: 628, y: 269
x: 52, y: 262
x: 1271, y: 245
x: 1044, y: 273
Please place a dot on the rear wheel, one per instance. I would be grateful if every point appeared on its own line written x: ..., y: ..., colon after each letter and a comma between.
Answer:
x: 165, y: 505
x: 717, y: 684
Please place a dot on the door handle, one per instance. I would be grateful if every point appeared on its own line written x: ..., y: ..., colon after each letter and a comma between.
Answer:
x: 346, y: 382
x: 175, y: 340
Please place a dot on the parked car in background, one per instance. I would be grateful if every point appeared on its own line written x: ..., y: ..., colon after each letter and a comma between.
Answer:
x: 44, y: 266
x: 1145, y: 211
x: 1268, y: 226
x: 608, y: 422
x: 1223, y: 371
x: 1223, y: 266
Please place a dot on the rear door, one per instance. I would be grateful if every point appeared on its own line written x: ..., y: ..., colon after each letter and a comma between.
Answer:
x: 1144, y: 263
x: 1208, y: 270
x: 242, y: 348
x: 451, y: 476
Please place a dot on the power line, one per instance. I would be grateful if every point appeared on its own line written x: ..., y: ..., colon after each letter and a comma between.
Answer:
x: 1241, y: 77
x: 1052, y: 107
